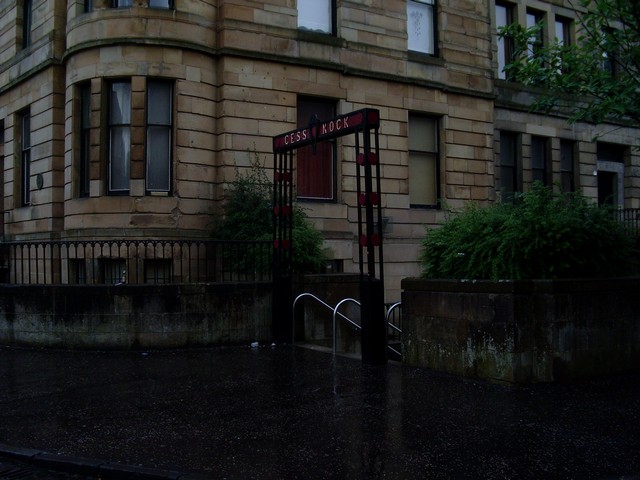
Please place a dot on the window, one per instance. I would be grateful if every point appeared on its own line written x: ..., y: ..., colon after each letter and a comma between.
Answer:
x: 535, y: 42
x: 540, y: 160
x: 421, y: 28
x: 316, y: 15
x: 112, y: 270
x: 119, y: 137
x: 509, y: 166
x: 563, y: 35
x: 563, y: 31
x: 423, y: 161
x: 121, y: 3
x: 25, y: 158
x: 610, y: 174
x: 157, y: 270
x: 610, y: 46
x: 85, y: 141
x: 77, y: 271
x: 504, y: 18
x: 567, y: 169
x: 166, y: 4
x: 316, y: 170
x: 88, y: 6
x: 27, y: 19
x: 159, y: 129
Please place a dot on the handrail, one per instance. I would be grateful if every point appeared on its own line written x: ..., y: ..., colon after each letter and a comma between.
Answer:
x: 388, y: 315
x: 336, y: 313
x: 335, y: 328
x: 306, y: 294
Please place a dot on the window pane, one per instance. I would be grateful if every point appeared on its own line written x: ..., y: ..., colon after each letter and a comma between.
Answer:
x: 422, y: 134
x: 122, y: 3
x: 422, y: 179
x: 315, y: 171
x: 503, y: 19
x: 423, y: 160
x: 508, y: 165
x: 159, y: 104
x: 120, y: 158
x: 158, y: 158
x: 315, y: 15
x: 567, y: 174
x: 420, y: 27
x: 85, y: 139
x: 160, y: 3
x: 120, y: 112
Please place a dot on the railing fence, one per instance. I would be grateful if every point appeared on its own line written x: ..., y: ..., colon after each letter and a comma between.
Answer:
x: 104, y: 262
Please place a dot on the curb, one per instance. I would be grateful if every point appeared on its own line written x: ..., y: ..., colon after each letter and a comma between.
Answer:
x: 92, y: 467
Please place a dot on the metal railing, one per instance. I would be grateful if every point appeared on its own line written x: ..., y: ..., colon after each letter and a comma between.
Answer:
x: 115, y: 262
x: 393, y: 317
x: 630, y: 220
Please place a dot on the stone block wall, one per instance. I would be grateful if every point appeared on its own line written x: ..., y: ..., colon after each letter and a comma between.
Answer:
x: 523, y: 331
x: 135, y: 316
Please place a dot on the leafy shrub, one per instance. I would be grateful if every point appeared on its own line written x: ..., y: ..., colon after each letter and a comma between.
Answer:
x: 248, y: 215
x: 541, y: 235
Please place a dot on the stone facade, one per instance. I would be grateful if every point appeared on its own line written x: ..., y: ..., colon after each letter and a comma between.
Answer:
x: 237, y: 72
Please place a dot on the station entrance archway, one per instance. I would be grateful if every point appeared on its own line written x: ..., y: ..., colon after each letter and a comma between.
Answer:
x: 364, y: 125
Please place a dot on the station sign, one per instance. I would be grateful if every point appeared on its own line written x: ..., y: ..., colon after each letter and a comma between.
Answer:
x: 318, y: 130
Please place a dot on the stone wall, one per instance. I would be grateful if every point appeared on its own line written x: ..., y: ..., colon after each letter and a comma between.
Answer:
x: 135, y: 316
x: 523, y: 331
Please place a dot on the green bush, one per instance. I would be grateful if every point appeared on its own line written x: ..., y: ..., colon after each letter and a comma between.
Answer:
x: 248, y: 215
x: 542, y: 235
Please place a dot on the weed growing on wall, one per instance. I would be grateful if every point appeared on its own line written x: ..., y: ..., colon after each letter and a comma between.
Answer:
x: 542, y: 235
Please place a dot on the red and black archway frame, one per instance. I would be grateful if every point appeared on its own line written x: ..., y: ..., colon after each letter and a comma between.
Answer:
x: 364, y: 124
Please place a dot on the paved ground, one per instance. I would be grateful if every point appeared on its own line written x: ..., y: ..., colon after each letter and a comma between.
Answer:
x: 289, y: 413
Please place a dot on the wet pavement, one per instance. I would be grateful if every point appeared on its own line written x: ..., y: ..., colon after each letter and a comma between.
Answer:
x: 289, y: 412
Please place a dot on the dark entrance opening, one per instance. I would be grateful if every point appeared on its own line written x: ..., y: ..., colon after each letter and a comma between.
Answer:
x: 364, y: 125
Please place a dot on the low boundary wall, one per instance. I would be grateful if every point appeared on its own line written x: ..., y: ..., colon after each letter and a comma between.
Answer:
x: 135, y: 316
x: 523, y: 331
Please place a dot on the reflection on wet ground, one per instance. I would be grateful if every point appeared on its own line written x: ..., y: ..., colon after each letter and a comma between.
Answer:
x: 290, y: 412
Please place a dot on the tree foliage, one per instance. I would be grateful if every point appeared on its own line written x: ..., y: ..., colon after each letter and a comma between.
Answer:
x: 542, y: 235
x: 248, y: 215
x: 595, y: 79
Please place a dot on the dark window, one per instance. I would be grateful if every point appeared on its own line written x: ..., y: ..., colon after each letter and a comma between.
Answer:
x: 504, y: 18
x: 119, y: 137
x: 112, y: 270
x: 85, y: 140
x: 540, y: 160
x: 157, y: 270
x: 421, y: 26
x: 88, y: 6
x: 535, y: 19
x: 509, y: 166
x: 25, y: 158
x: 166, y: 4
x: 567, y: 166
x: 316, y: 175
x: 27, y: 22
x: 159, y: 129
x: 121, y: 3
x: 424, y: 188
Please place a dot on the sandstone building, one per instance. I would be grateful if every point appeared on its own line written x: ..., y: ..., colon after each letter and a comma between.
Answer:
x: 129, y: 118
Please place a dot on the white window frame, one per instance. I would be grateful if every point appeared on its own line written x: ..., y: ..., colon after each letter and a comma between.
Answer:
x: 421, y: 26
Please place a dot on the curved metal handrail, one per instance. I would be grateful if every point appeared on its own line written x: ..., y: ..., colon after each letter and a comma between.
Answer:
x: 335, y: 327
x: 337, y: 313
